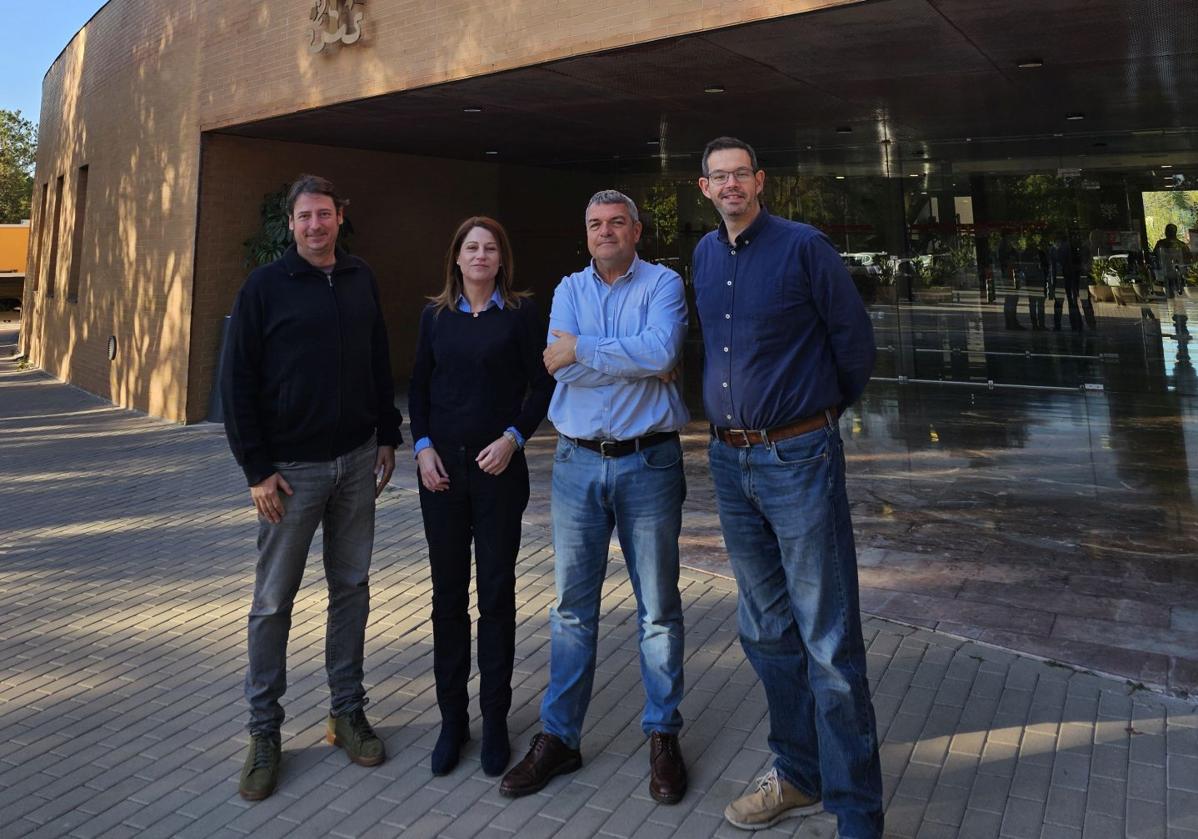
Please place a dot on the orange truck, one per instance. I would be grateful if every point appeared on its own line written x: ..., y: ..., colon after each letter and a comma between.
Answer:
x: 14, y: 253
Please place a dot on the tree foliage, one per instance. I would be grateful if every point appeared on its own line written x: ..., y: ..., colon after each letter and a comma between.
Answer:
x: 1041, y: 198
x: 1177, y: 206
x: 18, y: 151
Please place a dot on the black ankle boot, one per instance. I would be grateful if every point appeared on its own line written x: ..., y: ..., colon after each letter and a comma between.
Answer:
x: 448, y: 748
x: 497, y: 749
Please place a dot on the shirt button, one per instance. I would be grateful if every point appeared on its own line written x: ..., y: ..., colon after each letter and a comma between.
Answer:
x: 730, y: 282
x: 727, y: 317
x: 728, y: 416
x: 734, y: 251
x: 725, y: 349
x: 725, y: 384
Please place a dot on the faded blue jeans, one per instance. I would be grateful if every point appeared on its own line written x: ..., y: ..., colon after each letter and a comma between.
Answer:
x: 640, y: 495
x: 338, y: 494
x: 785, y: 517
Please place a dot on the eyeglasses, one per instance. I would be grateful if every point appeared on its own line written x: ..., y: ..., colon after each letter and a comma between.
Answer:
x: 720, y: 178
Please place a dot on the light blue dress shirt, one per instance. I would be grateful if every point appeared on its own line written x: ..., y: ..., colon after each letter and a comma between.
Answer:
x: 628, y: 334
x: 464, y: 306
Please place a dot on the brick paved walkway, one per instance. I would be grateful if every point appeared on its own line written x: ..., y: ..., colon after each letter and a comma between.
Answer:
x: 126, y: 550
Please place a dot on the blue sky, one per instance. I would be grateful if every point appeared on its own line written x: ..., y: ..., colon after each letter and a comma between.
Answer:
x: 33, y: 36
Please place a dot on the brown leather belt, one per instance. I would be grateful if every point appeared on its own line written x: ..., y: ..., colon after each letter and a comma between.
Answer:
x: 619, y: 448
x: 742, y: 438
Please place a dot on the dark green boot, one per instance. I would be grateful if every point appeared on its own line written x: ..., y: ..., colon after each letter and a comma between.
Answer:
x: 353, y: 733
x: 260, y: 774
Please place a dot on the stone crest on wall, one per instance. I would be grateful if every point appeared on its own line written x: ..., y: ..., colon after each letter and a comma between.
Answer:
x: 335, y: 21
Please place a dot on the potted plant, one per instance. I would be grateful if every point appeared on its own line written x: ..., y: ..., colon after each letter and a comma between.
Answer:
x: 273, y: 235
x: 1099, y: 290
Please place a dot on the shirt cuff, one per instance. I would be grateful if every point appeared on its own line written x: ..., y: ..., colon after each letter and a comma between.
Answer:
x: 421, y: 444
x: 585, y: 350
x: 519, y: 436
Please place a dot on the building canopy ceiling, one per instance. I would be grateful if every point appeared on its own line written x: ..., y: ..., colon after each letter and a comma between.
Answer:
x: 889, y: 87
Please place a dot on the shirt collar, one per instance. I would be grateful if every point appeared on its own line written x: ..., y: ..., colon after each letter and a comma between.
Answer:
x: 496, y: 300
x: 627, y: 275
x: 749, y: 233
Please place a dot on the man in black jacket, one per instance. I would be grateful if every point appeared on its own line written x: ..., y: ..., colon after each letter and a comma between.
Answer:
x: 311, y: 418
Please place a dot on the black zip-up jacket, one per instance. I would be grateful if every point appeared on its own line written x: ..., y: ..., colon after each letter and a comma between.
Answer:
x: 307, y: 371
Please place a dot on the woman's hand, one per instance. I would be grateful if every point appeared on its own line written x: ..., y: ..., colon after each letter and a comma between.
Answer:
x: 432, y: 470
x: 495, y: 457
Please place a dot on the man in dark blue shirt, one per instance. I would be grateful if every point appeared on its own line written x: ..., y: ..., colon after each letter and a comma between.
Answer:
x: 788, y: 346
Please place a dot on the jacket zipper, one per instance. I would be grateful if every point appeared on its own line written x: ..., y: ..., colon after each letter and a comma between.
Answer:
x: 340, y: 354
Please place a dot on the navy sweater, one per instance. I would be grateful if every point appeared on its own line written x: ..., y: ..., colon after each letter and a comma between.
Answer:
x: 307, y: 372
x: 476, y: 376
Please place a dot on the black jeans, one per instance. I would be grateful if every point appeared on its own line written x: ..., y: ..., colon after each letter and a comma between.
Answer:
x: 485, y: 509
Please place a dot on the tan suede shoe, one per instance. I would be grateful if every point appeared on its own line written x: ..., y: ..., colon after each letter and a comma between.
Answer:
x: 772, y: 800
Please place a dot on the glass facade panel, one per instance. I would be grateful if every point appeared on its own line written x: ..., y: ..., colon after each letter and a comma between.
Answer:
x: 1053, y: 280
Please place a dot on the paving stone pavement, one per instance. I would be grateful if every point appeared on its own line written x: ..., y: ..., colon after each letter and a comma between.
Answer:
x: 126, y: 562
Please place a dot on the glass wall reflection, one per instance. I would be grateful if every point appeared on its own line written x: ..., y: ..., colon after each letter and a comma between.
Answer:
x: 1041, y: 280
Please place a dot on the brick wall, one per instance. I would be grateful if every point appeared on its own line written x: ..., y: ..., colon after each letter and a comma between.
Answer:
x: 122, y: 100
x: 404, y: 210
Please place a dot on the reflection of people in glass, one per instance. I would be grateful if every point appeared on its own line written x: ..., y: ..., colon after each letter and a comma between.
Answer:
x: 478, y: 392
x: 1066, y: 265
x: 1033, y: 271
x: 1172, y: 256
x: 1008, y: 256
x: 1185, y: 380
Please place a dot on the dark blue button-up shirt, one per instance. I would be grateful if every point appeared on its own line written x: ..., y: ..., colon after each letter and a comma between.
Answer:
x: 784, y: 330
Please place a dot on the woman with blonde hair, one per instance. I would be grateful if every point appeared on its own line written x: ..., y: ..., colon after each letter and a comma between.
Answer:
x: 479, y: 390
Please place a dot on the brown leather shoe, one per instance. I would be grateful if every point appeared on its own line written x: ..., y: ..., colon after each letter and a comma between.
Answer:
x: 667, y: 771
x: 548, y: 758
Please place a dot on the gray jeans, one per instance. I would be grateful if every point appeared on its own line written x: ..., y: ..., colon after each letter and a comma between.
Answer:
x: 338, y: 494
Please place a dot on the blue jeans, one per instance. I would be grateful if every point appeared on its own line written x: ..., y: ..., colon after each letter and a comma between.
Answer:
x: 338, y: 494
x: 785, y: 517
x: 640, y: 495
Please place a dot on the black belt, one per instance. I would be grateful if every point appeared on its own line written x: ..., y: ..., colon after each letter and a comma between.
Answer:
x: 619, y: 448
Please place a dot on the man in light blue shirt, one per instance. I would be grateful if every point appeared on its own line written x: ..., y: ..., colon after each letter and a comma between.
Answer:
x: 615, y: 339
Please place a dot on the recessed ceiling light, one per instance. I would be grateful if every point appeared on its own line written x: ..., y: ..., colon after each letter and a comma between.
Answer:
x: 1030, y: 64
x: 1166, y: 165
x: 472, y: 110
x: 714, y: 88
x: 653, y: 142
x: 1076, y: 115
x: 840, y: 177
x: 913, y: 175
x: 844, y: 129
x: 492, y: 151
x: 969, y: 139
